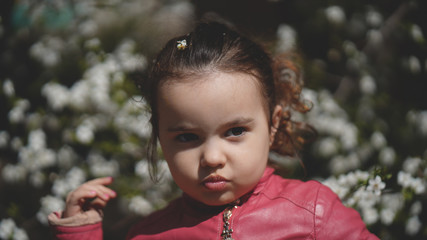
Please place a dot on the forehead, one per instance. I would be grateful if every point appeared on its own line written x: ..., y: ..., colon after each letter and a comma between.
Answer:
x: 212, y: 91
x: 206, y: 78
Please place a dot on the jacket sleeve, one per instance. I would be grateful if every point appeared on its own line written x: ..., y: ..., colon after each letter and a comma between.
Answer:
x: 83, y: 226
x: 333, y: 220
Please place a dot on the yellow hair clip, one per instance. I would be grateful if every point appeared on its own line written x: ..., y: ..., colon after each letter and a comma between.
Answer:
x: 181, y: 45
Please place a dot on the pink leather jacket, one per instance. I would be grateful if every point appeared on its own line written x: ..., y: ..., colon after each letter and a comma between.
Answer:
x: 276, y: 209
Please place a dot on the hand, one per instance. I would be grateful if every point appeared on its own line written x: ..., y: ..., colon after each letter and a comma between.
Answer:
x: 90, y: 196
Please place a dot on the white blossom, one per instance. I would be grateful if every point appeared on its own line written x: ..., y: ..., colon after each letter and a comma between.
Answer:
x: 79, y: 95
x: 327, y: 147
x: 100, y: 167
x: 378, y: 140
x: 92, y: 43
x: 407, y: 181
x: 129, y: 61
x: 416, y: 208
x: 349, y: 179
x: 376, y: 185
x: 367, y: 198
x: 421, y: 122
x: 387, y: 216
x: 367, y: 85
x: 75, y: 177
x: 13, y: 173
x: 164, y: 171
x: 62, y: 186
x: 141, y: 169
x: 17, y: 113
x: 335, y: 14
x: 359, y: 198
x: 88, y: 27
x: 418, y: 185
x: 133, y: 118
x: 370, y: 215
x: 348, y: 136
x: 20, y: 234
x: 416, y: 33
x: 286, y: 38
x: 340, y: 164
x: 6, y: 228
x: 374, y: 18
x: 57, y: 95
x: 8, y: 88
x: 411, y: 164
x: 392, y: 201
x: 37, y: 140
x: 404, y: 178
x: 4, y: 139
x: 328, y: 104
x: 387, y: 156
x: 140, y: 205
x: 338, y: 189
x: 85, y: 133
x: 47, y: 51
x: 36, y: 159
x: 16, y: 143
x: 37, y: 179
x: 413, y: 226
x: 49, y: 204
x: 361, y: 175
x: 9, y: 230
x: 414, y: 64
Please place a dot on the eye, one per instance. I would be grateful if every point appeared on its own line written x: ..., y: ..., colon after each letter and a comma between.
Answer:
x: 187, y: 137
x: 236, y: 132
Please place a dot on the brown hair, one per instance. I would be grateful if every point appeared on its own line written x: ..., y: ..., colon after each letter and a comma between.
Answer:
x: 214, y: 46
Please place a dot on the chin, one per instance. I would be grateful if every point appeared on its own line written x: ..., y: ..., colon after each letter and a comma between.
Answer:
x: 219, y: 201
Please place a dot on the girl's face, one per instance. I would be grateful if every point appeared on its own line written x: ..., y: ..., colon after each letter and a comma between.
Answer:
x: 215, y: 135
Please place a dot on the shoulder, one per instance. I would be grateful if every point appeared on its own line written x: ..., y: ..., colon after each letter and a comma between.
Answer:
x: 318, y: 202
x: 325, y: 207
x: 304, y: 194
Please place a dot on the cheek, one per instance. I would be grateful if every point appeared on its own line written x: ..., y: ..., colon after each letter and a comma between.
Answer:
x: 253, y: 153
x: 181, y: 162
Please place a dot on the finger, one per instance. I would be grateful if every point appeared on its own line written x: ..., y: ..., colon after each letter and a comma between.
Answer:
x: 101, y: 181
x: 75, y: 201
x: 103, y: 192
x: 83, y: 192
x: 96, y: 203
x: 82, y: 197
x: 98, y: 185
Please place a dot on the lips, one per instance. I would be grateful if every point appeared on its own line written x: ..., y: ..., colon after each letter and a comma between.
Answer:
x: 215, y: 183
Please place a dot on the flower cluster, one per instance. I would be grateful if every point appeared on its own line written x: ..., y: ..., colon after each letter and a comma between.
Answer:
x: 92, y: 126
x: 9, y: 230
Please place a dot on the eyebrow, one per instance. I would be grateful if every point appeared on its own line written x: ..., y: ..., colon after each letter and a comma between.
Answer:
x: 180, y: 128
x: 238, y: 121
x: 234, y: 122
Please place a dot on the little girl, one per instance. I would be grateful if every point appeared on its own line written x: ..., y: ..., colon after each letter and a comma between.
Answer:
x: 219, y: 105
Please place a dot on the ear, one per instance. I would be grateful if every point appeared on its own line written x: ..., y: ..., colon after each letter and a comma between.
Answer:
x: 275, y: 122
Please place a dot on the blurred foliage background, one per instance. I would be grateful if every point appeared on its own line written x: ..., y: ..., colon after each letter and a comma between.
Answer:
x: 71, y: 112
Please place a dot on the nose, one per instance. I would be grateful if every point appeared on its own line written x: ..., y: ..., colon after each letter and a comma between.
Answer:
x: 213, y: 155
